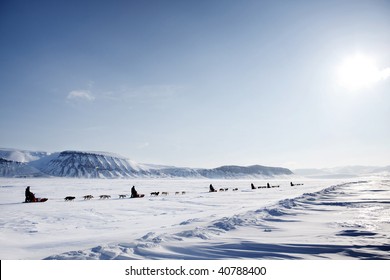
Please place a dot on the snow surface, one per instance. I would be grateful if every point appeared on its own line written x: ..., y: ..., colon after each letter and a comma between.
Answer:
x: 323, y: 219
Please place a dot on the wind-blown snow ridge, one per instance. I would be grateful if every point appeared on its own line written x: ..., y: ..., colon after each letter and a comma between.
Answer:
x: 209, y: 241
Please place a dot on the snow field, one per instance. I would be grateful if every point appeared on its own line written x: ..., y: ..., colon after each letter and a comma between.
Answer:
x: 311, y: 221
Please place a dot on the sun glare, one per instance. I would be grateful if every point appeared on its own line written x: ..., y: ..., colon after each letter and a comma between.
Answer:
x: 358, y: 71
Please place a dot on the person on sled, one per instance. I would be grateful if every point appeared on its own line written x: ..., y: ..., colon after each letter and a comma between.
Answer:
x: 134, y: 193
x: 30, y: 197
x: 212, y: 188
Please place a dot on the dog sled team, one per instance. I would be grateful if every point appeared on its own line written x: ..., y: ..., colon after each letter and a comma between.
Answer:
x: 212, y: 189
x: 30, y: 197
x: 134, y: 194
x: 253, y: 187
x: 268, y: 186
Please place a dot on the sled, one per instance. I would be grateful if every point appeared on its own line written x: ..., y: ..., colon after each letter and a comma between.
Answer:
x: 38, y: 199
x: 139, y: 196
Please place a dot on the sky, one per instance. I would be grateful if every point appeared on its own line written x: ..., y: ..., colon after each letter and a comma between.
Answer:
x: 199, y: 83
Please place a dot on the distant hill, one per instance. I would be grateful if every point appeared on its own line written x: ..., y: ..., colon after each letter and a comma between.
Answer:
x: 80, y: 164
x: 254, y: 171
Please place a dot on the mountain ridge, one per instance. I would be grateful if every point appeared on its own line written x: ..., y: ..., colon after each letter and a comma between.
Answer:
x: 85, y: 164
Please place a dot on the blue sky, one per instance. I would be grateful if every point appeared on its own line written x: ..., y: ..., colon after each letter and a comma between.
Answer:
x: 196, y: 83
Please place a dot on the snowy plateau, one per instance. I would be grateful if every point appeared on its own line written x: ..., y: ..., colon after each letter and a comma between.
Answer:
x: 332, y: 219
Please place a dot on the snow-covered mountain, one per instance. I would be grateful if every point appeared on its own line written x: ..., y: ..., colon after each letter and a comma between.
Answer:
x: 80, y: 164
x: 90, y: 165
x: 9, y: 168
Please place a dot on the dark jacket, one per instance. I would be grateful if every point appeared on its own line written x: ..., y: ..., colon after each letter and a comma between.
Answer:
x: 30, y: 197
x: 134, y: 193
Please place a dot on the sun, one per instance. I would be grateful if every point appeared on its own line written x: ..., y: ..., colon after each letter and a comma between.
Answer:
x: 358, y: 71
